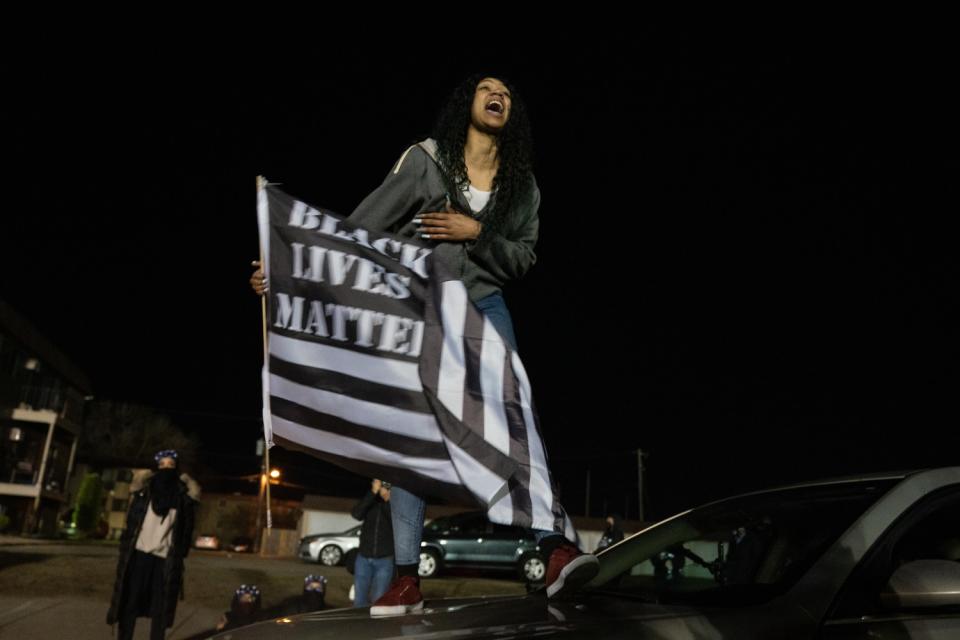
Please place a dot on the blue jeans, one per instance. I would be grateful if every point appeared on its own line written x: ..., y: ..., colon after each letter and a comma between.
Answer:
x: 406, y: 511
x: 540, y: 534
x: 495, y: 309
x: 371, y: 579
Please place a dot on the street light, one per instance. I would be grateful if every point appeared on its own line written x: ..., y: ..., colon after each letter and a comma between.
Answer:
x: 273, y: 477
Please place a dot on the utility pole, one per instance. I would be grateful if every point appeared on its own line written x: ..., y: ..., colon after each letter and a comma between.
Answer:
x: 587, y: 506
x: 640, y: 455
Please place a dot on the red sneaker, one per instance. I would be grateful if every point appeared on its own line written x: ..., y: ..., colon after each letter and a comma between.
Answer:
x: 568, y: 569
x: 402, y: 597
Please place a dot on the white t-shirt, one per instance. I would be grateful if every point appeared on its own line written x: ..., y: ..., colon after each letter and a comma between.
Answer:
x: 155, y: 535
x: 477, y: 199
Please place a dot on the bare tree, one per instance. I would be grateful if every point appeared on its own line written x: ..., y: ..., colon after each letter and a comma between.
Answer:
x: 123, y: 434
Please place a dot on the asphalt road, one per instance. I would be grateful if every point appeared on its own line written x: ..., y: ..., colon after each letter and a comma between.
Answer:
x: 63, y: 590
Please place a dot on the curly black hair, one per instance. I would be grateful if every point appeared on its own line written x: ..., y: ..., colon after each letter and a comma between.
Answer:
x: 514, y: 177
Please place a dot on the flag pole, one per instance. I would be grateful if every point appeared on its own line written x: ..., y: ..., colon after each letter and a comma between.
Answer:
x: 262, y: 184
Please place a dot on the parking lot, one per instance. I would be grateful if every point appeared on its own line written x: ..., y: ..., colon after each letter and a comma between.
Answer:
x: 45, y: 586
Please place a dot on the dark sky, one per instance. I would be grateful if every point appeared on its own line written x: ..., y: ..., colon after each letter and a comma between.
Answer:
x: 724, y: 278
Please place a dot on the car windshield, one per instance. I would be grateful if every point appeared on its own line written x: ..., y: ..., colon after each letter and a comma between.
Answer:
x: 736, y: 552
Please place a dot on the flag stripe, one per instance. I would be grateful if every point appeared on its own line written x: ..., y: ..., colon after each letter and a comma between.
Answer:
x: 450, y: 381
x: 393, y: 373
x: 473, y: 400
x: 502, y: 510
x: 442, y: 470
x: 336, y: 382
x: 519, y: 447
x: 332, y: 424
x: 492, y: 383
x: 369, y: 414
x: 433, y: 341
x: 540, y: 485
x: 484, y: 483
x: 471, y: 442
x: 420, y: 484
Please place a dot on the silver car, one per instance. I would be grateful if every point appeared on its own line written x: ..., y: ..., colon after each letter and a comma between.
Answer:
x: 329, y: 549
x: 869, y: 557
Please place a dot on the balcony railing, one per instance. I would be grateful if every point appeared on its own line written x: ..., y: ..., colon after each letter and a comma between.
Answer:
x: 42, y: 397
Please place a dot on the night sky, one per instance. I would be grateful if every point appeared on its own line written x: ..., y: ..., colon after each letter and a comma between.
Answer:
x: 725, y: 277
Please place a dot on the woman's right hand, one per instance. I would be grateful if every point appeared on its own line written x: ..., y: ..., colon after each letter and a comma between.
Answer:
x: 257, y: 280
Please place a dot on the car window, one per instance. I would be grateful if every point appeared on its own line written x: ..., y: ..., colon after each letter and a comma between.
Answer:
x: 929, y: 531
x: 438, y: 525
x: 739, y: 551
x: 467, y: 523
x: 935, y: 537
x: 475, y: 523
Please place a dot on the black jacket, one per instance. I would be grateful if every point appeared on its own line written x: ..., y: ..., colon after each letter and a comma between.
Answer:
x: 612, y: 535
x: 376, y: 534
x: 173, y: 563
x: 416, y: 185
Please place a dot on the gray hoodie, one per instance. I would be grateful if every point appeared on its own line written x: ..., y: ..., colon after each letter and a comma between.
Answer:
x: 416, y: 185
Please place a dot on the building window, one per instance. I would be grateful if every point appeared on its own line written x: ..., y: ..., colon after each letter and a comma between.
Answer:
x: 21, y: 451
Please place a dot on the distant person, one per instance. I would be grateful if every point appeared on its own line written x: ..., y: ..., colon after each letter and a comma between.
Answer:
x: 153, y: 545
x: 244, y: 608
x: 612, y: 534
x: 744, y: 553
x: 373, y: 571
x: 314, y: 594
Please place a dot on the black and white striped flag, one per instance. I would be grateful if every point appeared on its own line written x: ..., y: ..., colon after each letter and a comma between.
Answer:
x: 379, y: 363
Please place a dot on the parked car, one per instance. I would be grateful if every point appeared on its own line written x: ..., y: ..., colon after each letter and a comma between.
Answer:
x: 241, y: 544
x: 868, y: 557
x: 207, y: 541
x: 470, y: 540
x: 329, y: 548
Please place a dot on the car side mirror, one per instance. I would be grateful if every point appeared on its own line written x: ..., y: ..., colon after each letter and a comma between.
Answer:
x: 923, y: 584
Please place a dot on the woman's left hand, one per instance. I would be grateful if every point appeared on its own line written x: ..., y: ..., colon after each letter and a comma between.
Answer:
x: 448, y: 226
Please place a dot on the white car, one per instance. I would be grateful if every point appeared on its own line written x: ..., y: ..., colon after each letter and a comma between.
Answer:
x: 329, y: 549
x: 207, y: 541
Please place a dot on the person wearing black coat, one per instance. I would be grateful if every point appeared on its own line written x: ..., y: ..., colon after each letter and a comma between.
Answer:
x: 612, y: 534
x: 374, y: 567
x: 154, y: 543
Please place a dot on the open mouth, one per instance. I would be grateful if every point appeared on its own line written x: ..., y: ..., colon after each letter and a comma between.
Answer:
x: 495, y: 107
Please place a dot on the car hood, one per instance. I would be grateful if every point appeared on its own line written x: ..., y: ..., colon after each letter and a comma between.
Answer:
x: 514, y: 617
x: 318, y: 536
